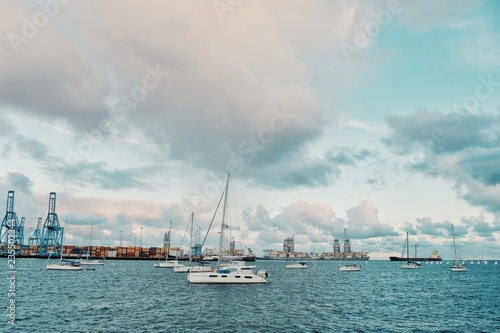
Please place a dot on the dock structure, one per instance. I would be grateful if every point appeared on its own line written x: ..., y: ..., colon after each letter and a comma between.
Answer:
x: 11, y: 231
x: 107, y: 252
x: 52, y: 232
x: 34, y: 238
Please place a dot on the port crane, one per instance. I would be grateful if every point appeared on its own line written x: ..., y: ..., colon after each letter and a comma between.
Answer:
x: 52, y: 232
x: 10, y: 225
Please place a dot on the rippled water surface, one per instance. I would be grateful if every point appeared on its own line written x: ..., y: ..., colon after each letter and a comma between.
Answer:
x: 133, y: 296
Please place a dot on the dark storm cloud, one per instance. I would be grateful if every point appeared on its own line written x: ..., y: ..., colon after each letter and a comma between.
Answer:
x: 483, y: 165
x: 18, y: 182
x: 443, y: 132
x: 122, y: 219
x: 462, y: 147
x: 298, y: 169
x: 87, y: 219
x: 32, y: 148
x: 48, y: 77
x: 481, y: 227
x: 99, y: 174
x: 347, y: 156
x: 410, y: 228
x: 426, y: 226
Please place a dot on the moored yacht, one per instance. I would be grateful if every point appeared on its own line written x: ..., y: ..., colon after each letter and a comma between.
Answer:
x: 233, y: 273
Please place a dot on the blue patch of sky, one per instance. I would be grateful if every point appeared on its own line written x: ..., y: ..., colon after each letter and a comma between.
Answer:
x: 414, y: 70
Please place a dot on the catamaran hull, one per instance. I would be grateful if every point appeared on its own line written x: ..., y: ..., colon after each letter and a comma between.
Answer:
x: 295, y: 266
x: 91, y: 263
x: 187, y: 269
x: 201, y: 278
x: 57, y: 267
x: 349, y: 269
x: 168, y: 264
x: 458, y: 269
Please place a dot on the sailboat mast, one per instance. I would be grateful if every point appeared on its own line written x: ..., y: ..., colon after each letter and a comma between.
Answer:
x: 90, y: 239
x: 223, y: 225
x: 62, y: 241
x: 191, y: 239
x: 345, y: 237
x: 453, y: 238
x: 407, y: 248
x: 168, y: 248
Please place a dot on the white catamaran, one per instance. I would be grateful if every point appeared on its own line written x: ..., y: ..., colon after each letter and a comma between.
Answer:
x: 230, y: 273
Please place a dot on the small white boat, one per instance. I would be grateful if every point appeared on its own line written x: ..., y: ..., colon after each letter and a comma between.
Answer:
x: 190, y: 268
x: 88, y: 261
x: 65, y: 265
x: 409, y: 263
x: 412, y: 265
x: 459, y: 263
x: 91, y: 262
x: 301, y: 264
x: 484, y: 260
x: 458, y: 268
x: 350, y: 268
x: 169, y: 264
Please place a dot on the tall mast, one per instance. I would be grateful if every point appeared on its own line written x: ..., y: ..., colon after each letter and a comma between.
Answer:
x: 345, y: 237
x: 168, y: 248
x: 223, y: 225
x: 191, y: 239
x: 62, y: 238
x: 453, y: 238
x: 407, y: 248
x: 90, y: 239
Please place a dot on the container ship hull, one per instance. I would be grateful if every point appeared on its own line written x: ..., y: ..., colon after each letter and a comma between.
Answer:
x: 414, y: 259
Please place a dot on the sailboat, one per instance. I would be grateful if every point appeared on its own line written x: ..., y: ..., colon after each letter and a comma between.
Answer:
x: 410, y: 264
x: 191, y: 268
x: 459, y: 263
x: 483, y: 259
x: 348, y: 267
x: 64, y: 265
x: 168, y: 263
x: 230, y: 273
x: 292, y: 264
x: 88, y: 261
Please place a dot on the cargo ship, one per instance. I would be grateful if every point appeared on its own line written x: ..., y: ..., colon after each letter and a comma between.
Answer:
x: 435, y: 256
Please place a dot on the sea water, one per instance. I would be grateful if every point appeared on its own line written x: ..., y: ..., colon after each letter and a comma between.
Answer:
x: 133, y: 296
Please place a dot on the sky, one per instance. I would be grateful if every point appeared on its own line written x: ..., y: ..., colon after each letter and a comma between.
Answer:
x: 381, y: 117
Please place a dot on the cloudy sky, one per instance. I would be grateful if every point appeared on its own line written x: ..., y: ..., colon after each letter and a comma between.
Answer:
x: 382, y: 117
